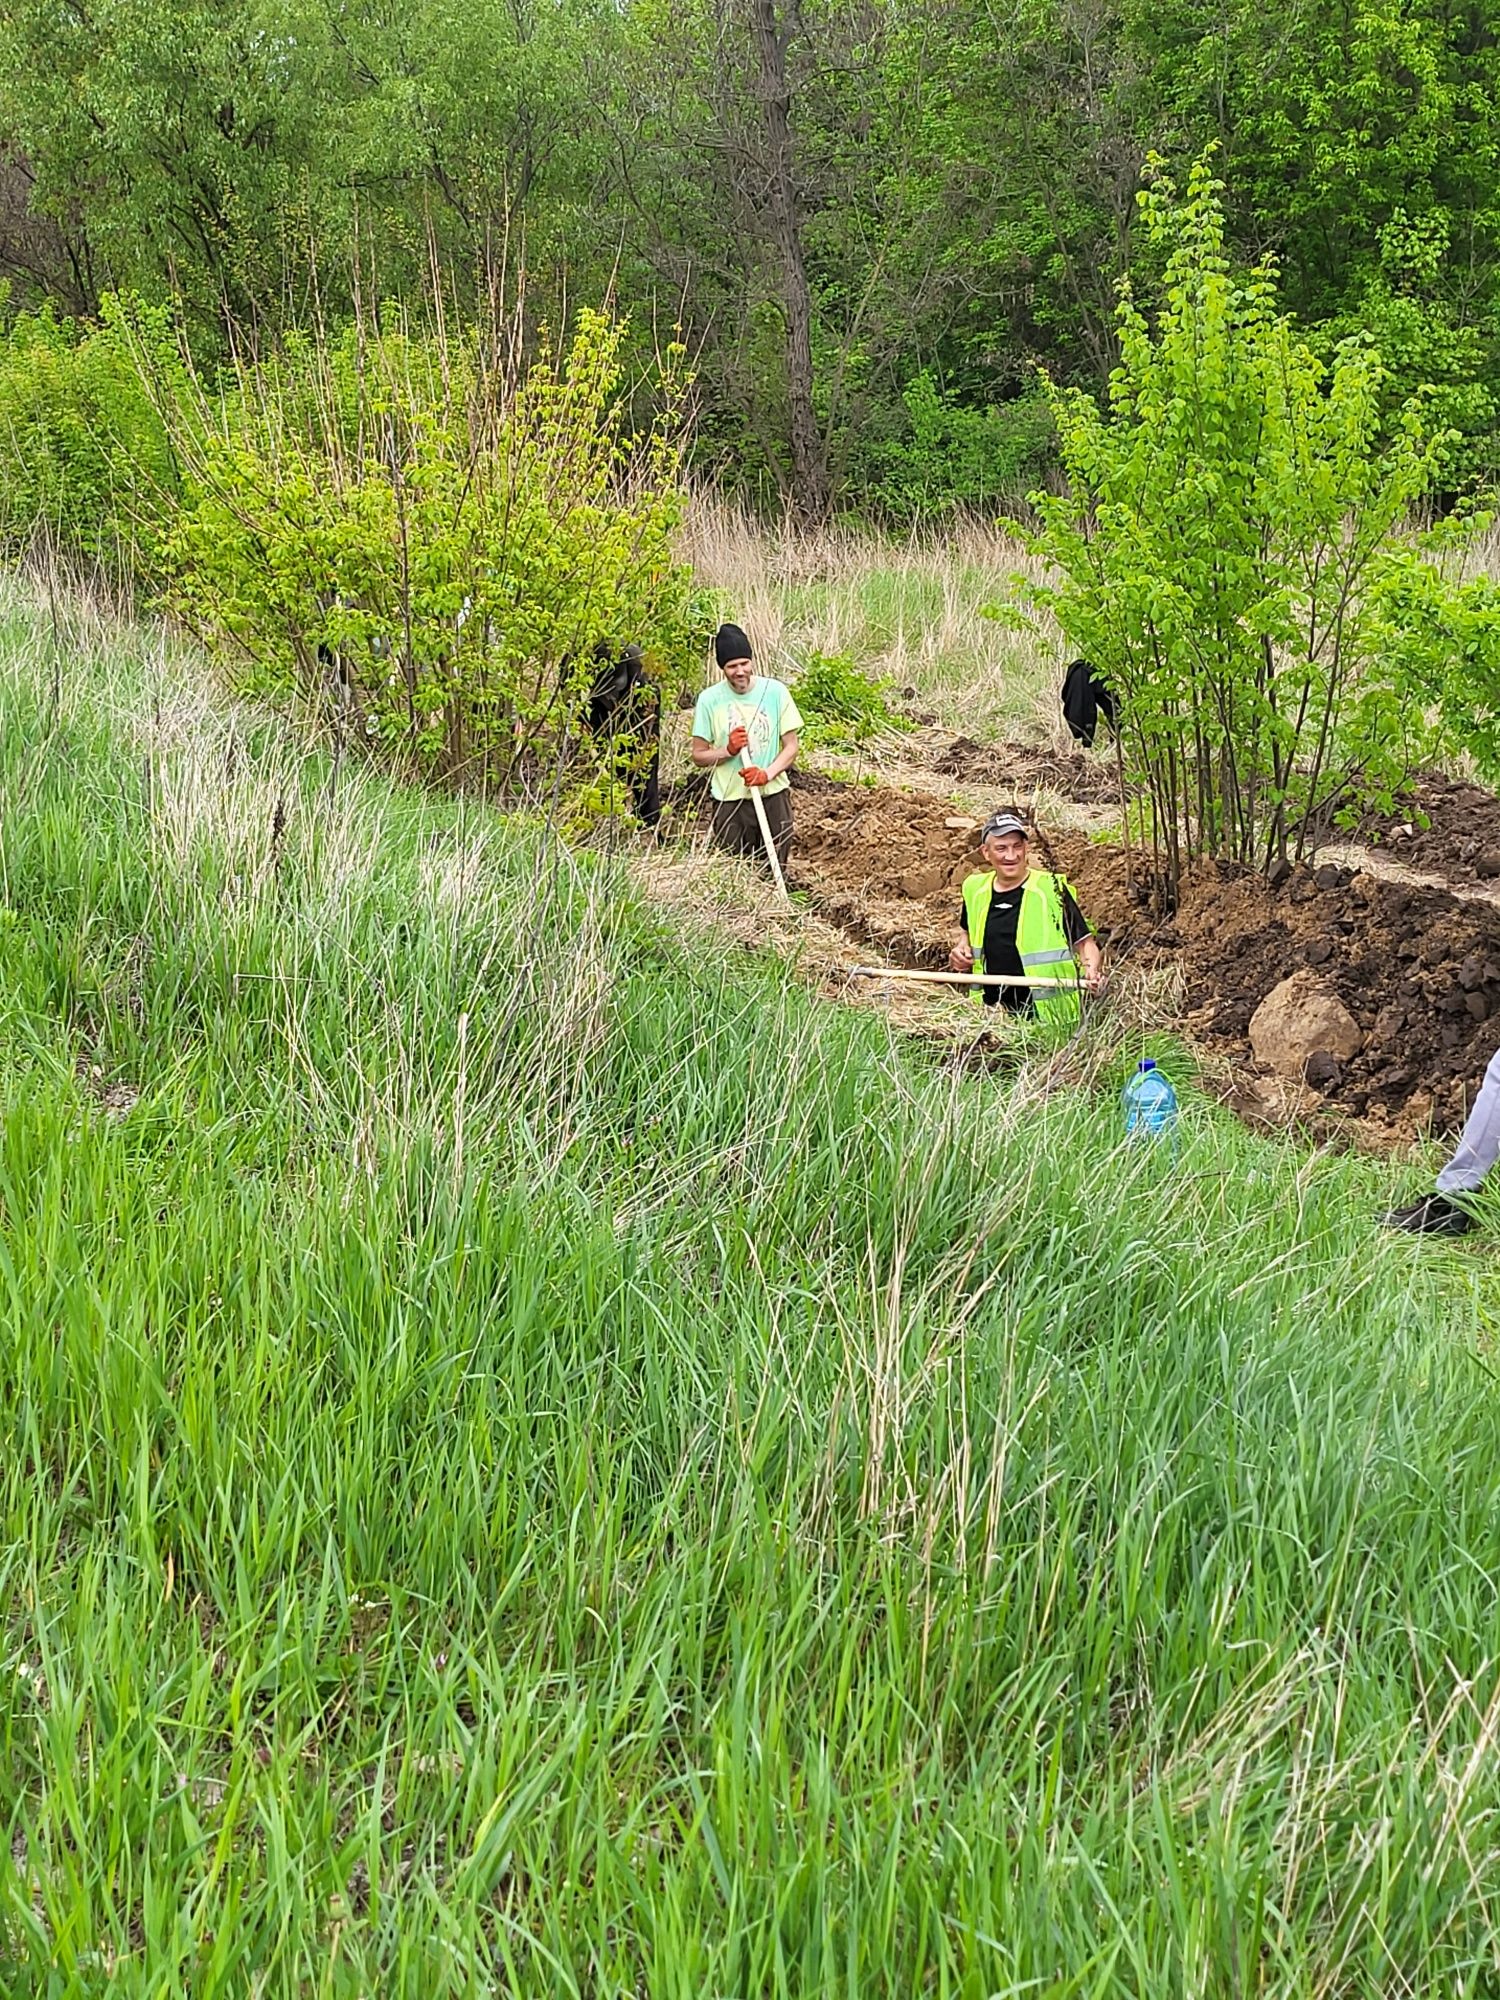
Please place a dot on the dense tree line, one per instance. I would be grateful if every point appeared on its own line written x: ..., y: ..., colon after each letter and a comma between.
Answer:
x: 869, y: 219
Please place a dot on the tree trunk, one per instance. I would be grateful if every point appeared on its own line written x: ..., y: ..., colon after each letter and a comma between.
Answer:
x: 809, y: 464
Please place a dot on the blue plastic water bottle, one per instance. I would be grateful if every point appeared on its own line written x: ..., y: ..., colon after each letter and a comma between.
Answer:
x: 1150, y: 1105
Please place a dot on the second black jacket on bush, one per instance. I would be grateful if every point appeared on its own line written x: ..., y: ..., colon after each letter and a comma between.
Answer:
x: 1085, y: 697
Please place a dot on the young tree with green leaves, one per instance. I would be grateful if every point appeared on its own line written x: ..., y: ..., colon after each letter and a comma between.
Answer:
x: 430, y: 549
x: 1227, y: 553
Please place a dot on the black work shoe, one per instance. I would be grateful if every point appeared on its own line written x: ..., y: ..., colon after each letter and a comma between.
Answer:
x: 1433, y: 1215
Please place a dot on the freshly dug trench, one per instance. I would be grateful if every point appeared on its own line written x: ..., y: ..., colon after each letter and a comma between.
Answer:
x: 1417, y: 970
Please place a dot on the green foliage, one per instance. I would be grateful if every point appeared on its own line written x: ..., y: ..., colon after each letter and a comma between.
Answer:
x: 1438, y: 636
x: 172, y: 144
x: 948, y: 455
x: 1228, y: 547
x: 86, y: 463
x: 435, y: 553
x: 840, y: 704
x: 250, y: 158
x: 961, y: 198
x: 1434, y: 349
x: 547, y: 1460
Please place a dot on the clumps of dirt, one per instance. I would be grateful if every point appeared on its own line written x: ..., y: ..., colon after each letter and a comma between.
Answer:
x: 1015, y: 769
x: 1418, y: 969
x: 886, y: 866
x: 1461, y: 839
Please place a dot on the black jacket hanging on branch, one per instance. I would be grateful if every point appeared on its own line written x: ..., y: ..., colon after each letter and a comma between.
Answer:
x: 1085, y: 697
x: 624, y: 706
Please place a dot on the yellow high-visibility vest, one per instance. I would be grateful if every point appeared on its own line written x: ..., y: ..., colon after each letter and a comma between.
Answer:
x: 1041, y: 937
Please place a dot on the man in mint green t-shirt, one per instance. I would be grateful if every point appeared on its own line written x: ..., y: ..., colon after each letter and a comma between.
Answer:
x: 745, y: 734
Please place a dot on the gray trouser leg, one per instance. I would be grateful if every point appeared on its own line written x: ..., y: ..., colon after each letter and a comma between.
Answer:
x: 1479, y: 1145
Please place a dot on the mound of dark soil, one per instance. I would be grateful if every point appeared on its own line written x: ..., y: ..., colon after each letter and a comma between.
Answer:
x: 1418, y: 968
x: 1017, y: 769
x: 1460, y: 841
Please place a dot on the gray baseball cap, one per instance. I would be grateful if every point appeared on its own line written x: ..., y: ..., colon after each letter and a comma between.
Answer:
x: 1004, y: 822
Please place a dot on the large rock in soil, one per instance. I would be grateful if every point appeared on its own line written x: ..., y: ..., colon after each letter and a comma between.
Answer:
x: 1300, y: 1018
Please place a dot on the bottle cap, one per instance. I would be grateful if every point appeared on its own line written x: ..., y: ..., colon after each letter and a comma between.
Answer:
x: 1148, y: 1063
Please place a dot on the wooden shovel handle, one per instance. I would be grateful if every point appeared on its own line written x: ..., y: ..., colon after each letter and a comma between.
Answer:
x: 765, y: 828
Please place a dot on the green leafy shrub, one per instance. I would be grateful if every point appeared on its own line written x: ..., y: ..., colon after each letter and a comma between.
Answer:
x: 1436, y: 350
x: 1230, y: 549
x: 840, y: 703
x: 941, y: 454
x: 86, y: 461
x: 1439, y: 637
x: 432, y: 550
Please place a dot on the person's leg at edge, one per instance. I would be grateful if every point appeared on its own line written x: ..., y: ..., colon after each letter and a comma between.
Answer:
x: 645, y: 783
x: 645, y: 791
x: 1440, y: 1213
x: 1479, y: 1143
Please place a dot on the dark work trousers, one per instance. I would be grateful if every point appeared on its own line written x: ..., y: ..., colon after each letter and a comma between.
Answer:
x: 736, y: 828
x: 645, y: 786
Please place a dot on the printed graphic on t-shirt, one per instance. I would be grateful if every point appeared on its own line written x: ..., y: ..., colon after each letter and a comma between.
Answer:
x: 765, y: 739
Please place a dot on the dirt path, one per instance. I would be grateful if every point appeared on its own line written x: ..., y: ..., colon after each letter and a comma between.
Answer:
x: 1050, y: 780
x: 1374, y: 861
x: 1410, y: 944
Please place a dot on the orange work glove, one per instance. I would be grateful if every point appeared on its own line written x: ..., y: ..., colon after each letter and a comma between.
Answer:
x: 754, y: 775
x: 739, y: 736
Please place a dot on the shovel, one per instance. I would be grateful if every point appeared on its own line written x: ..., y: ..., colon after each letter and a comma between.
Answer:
x: 964, y: 978
x: 765, y: 829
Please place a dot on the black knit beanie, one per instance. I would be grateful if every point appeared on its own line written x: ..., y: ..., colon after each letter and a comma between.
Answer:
x: 730, y: 644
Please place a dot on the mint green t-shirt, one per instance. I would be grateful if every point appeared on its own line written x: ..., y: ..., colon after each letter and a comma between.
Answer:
x: 766, y: 711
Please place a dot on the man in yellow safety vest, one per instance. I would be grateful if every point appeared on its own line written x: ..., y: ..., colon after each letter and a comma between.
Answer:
x: 1025, y: 922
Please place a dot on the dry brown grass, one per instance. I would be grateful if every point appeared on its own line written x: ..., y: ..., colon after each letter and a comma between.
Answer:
x: 911, y: 611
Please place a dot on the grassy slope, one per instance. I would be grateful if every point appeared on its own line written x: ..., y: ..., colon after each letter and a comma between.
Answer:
x: 542, y: 1459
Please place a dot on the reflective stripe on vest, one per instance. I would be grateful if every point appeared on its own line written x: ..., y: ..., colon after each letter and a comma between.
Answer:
x: 1040, y: 937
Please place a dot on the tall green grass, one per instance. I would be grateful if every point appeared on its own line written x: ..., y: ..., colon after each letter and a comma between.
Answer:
x: 542, y: 1460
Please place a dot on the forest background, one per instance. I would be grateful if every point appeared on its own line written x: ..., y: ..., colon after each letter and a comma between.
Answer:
x: 865, y: 222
